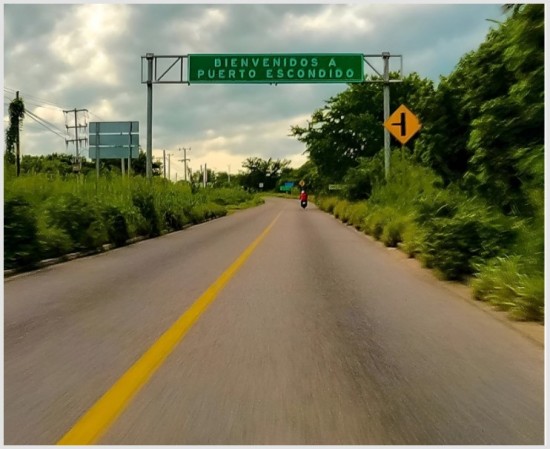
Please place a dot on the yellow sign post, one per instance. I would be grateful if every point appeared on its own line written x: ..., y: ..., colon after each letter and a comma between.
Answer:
x: 403, y: 124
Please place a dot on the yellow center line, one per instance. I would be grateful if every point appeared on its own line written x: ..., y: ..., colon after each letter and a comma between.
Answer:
x: 107, y: 409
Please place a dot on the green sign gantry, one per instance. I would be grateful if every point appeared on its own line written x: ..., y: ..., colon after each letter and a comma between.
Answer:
x: 276, y: 68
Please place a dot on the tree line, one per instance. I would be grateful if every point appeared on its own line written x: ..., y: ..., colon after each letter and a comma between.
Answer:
x: 466, y: 194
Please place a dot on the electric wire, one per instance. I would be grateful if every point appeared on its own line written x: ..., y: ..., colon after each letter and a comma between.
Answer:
x: 43, y: 119
x: 26, y: 94
x: 46, y: 104
x: 43, y: 122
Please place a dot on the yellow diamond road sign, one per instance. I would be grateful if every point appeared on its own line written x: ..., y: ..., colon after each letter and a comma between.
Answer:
x: 402, y: 124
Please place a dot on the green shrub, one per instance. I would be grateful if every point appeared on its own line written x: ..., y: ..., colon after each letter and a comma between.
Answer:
x: 80, y: 219
x: 216, y: 210
x: 474, y: 235
x: 327, y: 204
x: 117, y: 227
x: 20, y: 233
x: 376, y: 221
x: 54, y: 242
x: 508, y: 284
x: 341, y: 210
x: 413, y: 238
x: 95, y: 235
x: 227, y: 196
x: 394, y: 229
x: 357, y: 214
x: 207, y: 211
x: 145, y: 202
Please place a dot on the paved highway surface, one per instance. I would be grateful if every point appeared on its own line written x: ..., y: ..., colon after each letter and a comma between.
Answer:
x: 321, y: 337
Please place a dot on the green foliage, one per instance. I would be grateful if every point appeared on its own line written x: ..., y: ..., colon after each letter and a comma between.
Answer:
x: 327, y: 204
x: 49, y: 215
x: 508, y: 283
x: 348, y: 127
x: 227, y: 196
x: 342, y: 210
x: 53, y: 242
x: 395, y: 228
x: 115, y: 222
x: 144, y: 200
x: 486, y: 127
x: 78, y: 218
x: 357, y: 214
x: 413, y: 238
x: 16, y: 111
x: 471, y: 236
x: 408, y: 184
x: 377, y: 219
x: 268, y: 172
x: 469, y: 199
x: 207, y: 211
x: 360, y: 180
x: 20, y: 233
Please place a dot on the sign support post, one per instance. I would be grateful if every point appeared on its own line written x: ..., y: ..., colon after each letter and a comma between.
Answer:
x: 97, y: 151
x: 129, y: 150
x: 276, y: 68
x: 149, y: 163
x: 387, y: 151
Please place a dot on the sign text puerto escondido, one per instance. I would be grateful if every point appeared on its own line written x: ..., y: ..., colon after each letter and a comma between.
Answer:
x: 276, y: 68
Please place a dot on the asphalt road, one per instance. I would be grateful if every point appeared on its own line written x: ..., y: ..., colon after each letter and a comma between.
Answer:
x: 321, y: 337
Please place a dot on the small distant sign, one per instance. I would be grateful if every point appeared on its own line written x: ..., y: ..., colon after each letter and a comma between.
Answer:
x: 285, y: 188
x: 335, y: 186
x: 261, y: 185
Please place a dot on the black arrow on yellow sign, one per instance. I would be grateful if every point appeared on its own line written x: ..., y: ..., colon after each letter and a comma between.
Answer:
x: 402, y: 124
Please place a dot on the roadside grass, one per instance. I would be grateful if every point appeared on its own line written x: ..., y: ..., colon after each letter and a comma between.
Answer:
x: 460, y: 237
x: 49, y: 216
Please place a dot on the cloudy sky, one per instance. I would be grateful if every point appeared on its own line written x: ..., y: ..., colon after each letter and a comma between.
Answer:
x: 88, y: 56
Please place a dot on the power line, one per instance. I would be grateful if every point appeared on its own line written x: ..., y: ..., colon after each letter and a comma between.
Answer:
x: 34, y: 103
x: 43, y: 122
x: 95, y: 115
x: 33, y: 97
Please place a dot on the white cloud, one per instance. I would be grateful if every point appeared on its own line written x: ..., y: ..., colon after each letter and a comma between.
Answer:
x: 88, y: 56
x: 333, y: 20
x: 85, y: 48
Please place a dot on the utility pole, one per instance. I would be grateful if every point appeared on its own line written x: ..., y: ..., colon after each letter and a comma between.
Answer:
x: 17, y: 146
x: 387, y: 152
x: 184, y: 160
x: 164, y: 162
x: 76, y: 127
x: 169, y: 176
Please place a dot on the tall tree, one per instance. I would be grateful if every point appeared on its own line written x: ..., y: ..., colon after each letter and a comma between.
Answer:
x: 16, y: 113
x: 507, y: 137
x: 350, y: 125
x: 258, y: 170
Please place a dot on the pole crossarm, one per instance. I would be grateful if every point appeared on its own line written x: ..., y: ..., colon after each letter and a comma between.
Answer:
x: 383, y: 57
x: 174, y: 70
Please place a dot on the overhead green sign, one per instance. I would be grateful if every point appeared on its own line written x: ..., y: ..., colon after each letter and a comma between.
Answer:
x: 276, y: 68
